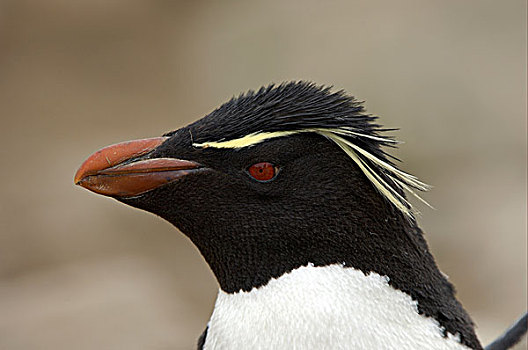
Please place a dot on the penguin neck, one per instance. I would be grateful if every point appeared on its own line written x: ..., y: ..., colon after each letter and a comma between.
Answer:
x: 393, y: 248
x: 243, y: 261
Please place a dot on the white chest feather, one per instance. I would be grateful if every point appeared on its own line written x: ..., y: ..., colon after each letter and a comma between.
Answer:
x: 327, y: 307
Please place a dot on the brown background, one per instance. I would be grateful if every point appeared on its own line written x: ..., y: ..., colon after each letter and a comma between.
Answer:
x: 80, y: 271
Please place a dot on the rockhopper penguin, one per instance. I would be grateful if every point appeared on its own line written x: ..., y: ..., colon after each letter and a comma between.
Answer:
x: 301, y: 215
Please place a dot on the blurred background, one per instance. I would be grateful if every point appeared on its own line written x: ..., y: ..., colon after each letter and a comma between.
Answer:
x: 81, y: 271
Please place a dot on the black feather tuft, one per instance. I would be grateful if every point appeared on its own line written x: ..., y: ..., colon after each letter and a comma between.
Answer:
x: 290, y: 106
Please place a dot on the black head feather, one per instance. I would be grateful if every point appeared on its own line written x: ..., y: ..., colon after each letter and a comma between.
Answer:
x: 290, y: 106
x: 298, y: 107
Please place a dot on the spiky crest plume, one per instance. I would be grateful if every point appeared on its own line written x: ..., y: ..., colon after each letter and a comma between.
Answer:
x: 302, y: 107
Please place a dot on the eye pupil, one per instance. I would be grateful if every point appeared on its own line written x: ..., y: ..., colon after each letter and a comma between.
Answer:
x: 262, y: 171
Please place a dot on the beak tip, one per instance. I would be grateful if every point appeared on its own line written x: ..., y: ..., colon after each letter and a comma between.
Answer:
x: 79, y: 176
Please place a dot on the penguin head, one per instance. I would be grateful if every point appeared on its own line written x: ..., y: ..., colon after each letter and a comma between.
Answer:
x: 271, y: 180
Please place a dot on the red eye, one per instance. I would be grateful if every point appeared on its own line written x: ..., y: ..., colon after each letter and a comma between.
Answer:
x: 262, y: 171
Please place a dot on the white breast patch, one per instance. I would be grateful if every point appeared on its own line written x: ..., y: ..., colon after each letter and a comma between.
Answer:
x: 328, y: 307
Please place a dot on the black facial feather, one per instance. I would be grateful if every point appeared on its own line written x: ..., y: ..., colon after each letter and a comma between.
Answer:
x: 298, y: 106
x: 320, y: 209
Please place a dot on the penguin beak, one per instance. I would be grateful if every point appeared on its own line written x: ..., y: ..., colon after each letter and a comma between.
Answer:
x: 117, y: 170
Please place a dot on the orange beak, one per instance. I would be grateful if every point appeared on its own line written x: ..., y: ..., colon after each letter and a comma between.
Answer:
x: 112, y: 172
